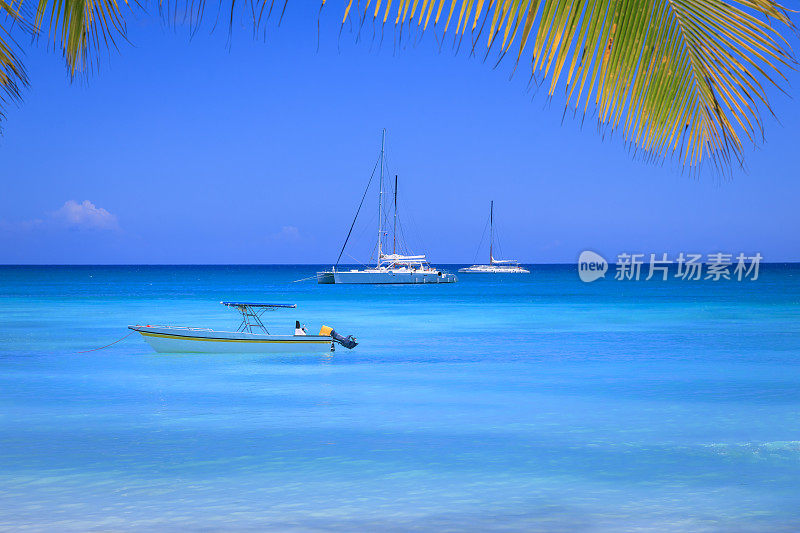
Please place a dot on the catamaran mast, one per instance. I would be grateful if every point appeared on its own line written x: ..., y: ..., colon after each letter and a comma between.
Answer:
x: 491, y: 231
x: 380, y: 200
x: 394, y: 230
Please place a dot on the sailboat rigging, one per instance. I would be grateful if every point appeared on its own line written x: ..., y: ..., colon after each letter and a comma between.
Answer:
x: 394, y: 268
x: 495, y: 266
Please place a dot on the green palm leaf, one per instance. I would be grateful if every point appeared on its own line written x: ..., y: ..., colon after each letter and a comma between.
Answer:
x: 683, y: 77
x: 12, y: 73
x: 80, y: 28
x: 675, y: 76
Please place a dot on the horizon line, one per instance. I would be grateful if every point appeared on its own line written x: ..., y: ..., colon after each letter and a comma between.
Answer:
x: 299, y: 264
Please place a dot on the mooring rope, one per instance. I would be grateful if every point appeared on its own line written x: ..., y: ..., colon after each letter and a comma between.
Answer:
x: 107, y: 345
x: 304, y: 279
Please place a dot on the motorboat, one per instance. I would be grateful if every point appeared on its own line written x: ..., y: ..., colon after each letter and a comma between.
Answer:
x: 251, y: 336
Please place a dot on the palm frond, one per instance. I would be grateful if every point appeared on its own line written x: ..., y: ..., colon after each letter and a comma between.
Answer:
x: 12, y: 73
x: 80, y: 28
x: 683, y: 77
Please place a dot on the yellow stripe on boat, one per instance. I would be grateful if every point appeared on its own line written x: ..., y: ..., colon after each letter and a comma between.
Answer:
x: 179, y: 337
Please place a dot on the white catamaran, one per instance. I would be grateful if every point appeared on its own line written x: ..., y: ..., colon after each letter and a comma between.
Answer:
x: 391, y: 268
x: 251, y: 336
x: 495, y: 266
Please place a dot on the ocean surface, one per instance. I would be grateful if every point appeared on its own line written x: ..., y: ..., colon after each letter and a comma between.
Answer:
x: 527, y: 403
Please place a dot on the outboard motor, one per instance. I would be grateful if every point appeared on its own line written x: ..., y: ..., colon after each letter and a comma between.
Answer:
x: 348, y: 342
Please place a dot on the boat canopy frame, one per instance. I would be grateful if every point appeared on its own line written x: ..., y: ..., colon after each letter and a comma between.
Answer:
x: 397, y: 259
x: 251, y: 315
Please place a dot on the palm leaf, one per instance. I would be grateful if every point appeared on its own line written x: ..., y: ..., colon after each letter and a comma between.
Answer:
x: 80, y: 28
x: 676, y: 77
x: 12, y: 73
x: 683, y: 77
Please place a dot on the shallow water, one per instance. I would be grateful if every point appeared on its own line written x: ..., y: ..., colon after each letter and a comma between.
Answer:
x: 532, y: 403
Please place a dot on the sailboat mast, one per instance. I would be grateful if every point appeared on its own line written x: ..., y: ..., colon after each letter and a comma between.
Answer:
x: 394, y: 230
x: 491, y: 231
x: 380, y: 200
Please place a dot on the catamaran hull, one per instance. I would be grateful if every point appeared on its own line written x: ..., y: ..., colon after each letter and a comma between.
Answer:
x: 385, y: 278
x: 326, y: 278
x: 495, y: 271
x: 185, y: 340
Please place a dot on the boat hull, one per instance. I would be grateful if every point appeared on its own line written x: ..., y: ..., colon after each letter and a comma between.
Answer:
x: 366, y: 277
x: 325, y: 278
x: 190, y: 340
x: 493, y: 270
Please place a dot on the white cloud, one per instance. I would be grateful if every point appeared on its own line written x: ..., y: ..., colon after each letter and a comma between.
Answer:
x: 85, y: 215
x: 287, y: 233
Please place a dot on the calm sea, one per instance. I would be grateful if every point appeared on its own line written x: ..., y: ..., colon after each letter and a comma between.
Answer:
x: 537, y: 403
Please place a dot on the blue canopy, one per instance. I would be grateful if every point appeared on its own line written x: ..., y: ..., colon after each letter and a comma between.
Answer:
x: 252, y: 304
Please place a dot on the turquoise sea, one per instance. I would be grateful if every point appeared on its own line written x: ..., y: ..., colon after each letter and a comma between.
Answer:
x: 536, y: 403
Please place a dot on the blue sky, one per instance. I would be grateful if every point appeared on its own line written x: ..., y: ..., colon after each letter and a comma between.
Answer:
x: 191, y: 151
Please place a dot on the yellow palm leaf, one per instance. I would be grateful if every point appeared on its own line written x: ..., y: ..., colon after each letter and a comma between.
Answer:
x: 682, y: 77
x: 80, y: 27
x: 12, y: 73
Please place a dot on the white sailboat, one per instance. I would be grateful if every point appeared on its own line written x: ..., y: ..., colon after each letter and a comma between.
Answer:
x: 495, y: 266
x: 391, y: 268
